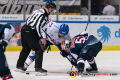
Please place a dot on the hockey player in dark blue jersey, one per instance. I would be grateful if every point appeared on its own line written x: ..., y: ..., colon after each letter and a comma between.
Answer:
x: 7, y: 31
x: 81, y: 48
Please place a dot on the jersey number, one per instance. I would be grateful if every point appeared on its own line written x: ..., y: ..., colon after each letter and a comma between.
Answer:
x: 77, y: 41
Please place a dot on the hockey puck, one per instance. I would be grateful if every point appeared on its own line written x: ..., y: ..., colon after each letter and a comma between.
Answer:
x: 27, y: 73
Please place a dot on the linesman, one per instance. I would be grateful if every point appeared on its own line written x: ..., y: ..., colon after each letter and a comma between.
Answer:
x: 31, y: 38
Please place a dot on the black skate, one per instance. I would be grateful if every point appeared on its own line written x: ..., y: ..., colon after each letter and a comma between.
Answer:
x: 20, y: 69
x: 92, y: 69
x: 40, y: 72
x: 80, y: 72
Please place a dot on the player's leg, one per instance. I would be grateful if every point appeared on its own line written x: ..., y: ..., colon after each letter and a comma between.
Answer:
x: 5, y: 73
x: 31, y: 57
x: 29, y: 60
x: 92, y: 51
x: 81, y: 63
x: 88, y: 53
x: 93, y: 65
x: 78, y: 61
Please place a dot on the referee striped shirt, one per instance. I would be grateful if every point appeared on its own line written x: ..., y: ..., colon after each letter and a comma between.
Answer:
x: 37, y: 20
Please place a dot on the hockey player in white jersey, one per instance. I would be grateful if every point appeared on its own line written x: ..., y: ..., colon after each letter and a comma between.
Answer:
x: 58, y: 33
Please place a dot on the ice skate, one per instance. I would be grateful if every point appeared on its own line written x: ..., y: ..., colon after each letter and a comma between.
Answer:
x: 92, y: 69
x: 40, y: 72
x: 21, y: 69
x: 80, y: 72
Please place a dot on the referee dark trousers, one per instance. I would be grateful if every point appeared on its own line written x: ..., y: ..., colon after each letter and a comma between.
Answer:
x: 30, y: 40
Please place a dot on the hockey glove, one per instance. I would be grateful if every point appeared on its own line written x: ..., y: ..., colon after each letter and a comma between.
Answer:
x: 73, y: 63
x: 4, y: 43
x: 64, y: 53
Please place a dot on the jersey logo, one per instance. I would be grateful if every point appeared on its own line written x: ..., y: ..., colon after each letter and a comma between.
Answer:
x: 104, y: 32
x: 52, y: 35
x: 56, y: 32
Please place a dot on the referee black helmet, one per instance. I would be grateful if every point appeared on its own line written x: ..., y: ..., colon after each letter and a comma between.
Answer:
x: 50, y: 4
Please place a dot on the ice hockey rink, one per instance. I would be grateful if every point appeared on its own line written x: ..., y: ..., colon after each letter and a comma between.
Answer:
x: 57, y: 66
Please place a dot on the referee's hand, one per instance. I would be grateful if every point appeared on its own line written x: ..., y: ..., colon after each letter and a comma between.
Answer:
x: 43, y: 41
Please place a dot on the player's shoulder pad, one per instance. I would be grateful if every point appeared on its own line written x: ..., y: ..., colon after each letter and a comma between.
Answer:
x: 56, y: 25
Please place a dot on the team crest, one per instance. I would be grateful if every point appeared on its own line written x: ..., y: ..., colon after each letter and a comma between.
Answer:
x: 52, y: 35
x: 56, y: 32
x: 104, y: 32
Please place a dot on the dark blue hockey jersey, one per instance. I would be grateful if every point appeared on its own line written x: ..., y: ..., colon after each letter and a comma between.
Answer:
x: 77, y: 43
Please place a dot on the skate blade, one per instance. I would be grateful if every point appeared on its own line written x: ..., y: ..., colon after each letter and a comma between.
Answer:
x: 40, y: 74
x: 80, y: 75
x: 92, y: 71
x: 19, y: 70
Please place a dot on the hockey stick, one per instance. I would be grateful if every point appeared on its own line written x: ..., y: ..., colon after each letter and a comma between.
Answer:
x: 54, y: 43
x: 57, y: 46
x: 87, y: 25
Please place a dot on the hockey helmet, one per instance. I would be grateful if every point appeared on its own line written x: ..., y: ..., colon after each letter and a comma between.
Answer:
x: 64, y: 29
x: 50, y: 4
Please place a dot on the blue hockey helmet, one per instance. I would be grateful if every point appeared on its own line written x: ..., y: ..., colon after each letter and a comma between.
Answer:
x: 64, y: 29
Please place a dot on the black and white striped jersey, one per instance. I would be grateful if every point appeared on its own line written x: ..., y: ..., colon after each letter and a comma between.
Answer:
x: 37, y: 20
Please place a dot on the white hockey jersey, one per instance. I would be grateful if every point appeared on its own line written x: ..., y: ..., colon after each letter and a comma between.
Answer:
x: 53, y: 30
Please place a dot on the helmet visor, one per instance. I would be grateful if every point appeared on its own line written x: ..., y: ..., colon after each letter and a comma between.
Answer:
x: 60, y: 35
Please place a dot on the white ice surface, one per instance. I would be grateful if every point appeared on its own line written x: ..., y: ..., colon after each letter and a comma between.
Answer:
x: 57, y: 66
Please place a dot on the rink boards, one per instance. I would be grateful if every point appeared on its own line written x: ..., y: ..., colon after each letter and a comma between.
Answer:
x: 107, y: 32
